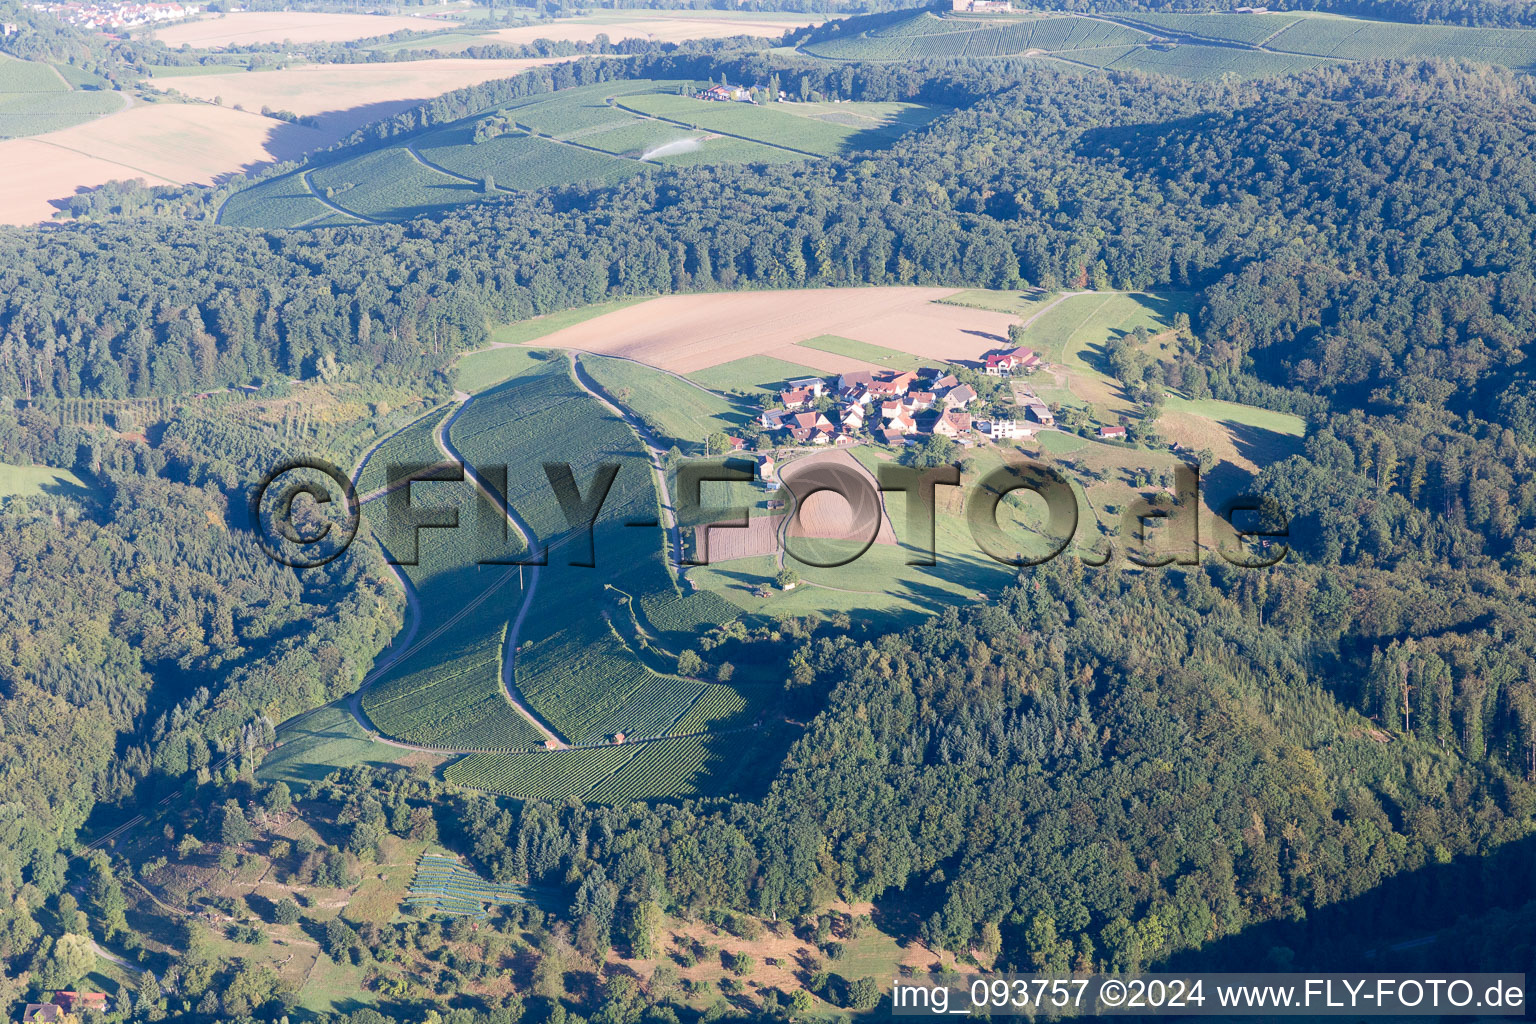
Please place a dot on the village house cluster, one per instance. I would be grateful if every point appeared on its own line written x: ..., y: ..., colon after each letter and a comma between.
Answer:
x: 897, y: 406
x: 116, y: 15
x: 64, y: 1006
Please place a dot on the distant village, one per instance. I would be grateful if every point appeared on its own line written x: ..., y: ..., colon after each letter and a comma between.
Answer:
x: 899, y: 407
x: 116, y: 15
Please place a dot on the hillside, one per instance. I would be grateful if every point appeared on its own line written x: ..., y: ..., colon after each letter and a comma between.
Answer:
x: 37, y: 97
x: 1193, y: 46
x: 596, y: 134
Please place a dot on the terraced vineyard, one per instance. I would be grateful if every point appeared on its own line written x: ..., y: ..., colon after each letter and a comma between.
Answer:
x: 443, y: 886
x: 659, y: 769
x: 583, y: 675
x: 927, y: 36
x: 607, y: 774
x: 412, y: 446
x: 1186, y: 45
x: 37, y: 98
x: 551, y: 775
x: 596, y: 134
x: 718, y: 707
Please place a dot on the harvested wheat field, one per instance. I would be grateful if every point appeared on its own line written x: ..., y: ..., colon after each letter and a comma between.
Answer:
x: 683, y: 333
x: 162, y: 143
x: 347, y: 96
x: 246, y: 27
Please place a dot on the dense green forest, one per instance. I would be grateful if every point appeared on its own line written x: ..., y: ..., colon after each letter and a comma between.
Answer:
x: 1092, y: 769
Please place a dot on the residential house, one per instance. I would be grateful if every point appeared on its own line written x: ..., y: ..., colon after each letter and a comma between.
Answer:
x: 1027, y: 358
x: 1004, y: 429
x: 726, y: 94
x: 1018, y: 360
x: 797, y: 398
x: 815, y: 385
x: 845, y: 440
x: 773, y: 419
x: 42, y: 1013
x: 952, y: 424
x: 959, y: 397
x: 767, y: 472
x: 1000, y: 364
x: 808, y: 421
x: 847, y: 383
x: 890, y: 435
x: 945, y: 382
x: 920, y: 401
x: 852, y: 417
x: 736, y: 443
x: 902, y: 422
x: 1112, y: 433
x: 890, y: 384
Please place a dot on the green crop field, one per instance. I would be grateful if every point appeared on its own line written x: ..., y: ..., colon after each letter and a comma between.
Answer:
x: 390, y: 183
x: 411, y: 446
x: 878, y: 354
x: 37, y: 98
x: 803, y: 127
x: 927, y: 35
x: 594, y: 134
x: 1253, y: 45
x: 522, y: 161
x: 25, y: 76
x: 751, y: 375
x: 277, y: 202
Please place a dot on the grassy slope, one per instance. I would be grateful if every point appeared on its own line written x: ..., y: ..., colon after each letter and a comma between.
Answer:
x: 329, y: 738
x: 38, y: 480
x: 673, y: 408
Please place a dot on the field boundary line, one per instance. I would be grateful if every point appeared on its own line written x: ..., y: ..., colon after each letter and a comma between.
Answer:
x: 339, y: 209
x: 410, y: 147
x: 712, y: 131
x: 103, y: 159
x: 528, y: 130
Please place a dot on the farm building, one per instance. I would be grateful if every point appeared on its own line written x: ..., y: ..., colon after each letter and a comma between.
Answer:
x: 952, y: 424
x: 982, y: 6
x: 1039, y: 411
x: 1112, y: 433
x: 796, y: 398
x: 959, y: 397
x: 726, y: 94
x: 1002, y: 364
x: 815, y: 385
